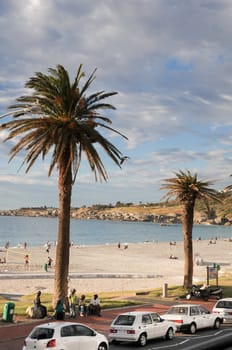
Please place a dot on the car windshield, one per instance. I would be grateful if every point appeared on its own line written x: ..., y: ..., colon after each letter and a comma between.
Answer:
x: 178, y: 310
x: 42, y: 333
x: 124, y: 320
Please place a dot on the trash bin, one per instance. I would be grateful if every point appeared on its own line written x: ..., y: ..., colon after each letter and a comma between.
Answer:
x: 8, y: 312
x: 46, y: 267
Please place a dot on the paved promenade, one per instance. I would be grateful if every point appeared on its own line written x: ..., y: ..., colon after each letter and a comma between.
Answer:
x: 13, y: 331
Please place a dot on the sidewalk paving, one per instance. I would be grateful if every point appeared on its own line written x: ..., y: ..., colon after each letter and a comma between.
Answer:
x: 12, y: 331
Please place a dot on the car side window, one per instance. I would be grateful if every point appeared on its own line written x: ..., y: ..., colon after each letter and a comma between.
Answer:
x: 155, y: 318
x: 146, y: 319
x: 194, y: 311
x: 67, y: 331
x: 80, y: 330
x: 203, y: 311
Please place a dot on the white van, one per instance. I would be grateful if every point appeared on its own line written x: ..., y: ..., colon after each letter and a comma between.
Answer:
x: 223, y: 307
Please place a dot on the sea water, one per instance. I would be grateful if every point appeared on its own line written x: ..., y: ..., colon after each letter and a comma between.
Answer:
x: 36, y: 231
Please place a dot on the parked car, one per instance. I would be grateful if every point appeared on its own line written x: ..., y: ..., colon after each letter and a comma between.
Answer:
x: 223, y: 308
x: 191, y: 317
x: 65, y: 335
x: 139, y: 326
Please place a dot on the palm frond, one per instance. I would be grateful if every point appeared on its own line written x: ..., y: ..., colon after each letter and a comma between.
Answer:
x: 186, y: 187
x: 60, y: 120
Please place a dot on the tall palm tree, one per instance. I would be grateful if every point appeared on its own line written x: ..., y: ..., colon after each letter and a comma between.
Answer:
x: 186, y: 188
x: 59, y: 120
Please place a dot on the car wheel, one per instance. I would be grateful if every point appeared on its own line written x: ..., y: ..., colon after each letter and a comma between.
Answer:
x: 217, y: 323
x: 142, y: 341
x: 169, y: 334
x: 102, y: 346
x: 192, y: 328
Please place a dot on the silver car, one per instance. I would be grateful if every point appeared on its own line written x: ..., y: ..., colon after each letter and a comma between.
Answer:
x: 223, y: 308
x: 139, y: 326
x: 191, y: 317
x: 65, y: 335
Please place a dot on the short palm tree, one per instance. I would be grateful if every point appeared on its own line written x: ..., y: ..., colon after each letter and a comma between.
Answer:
x: 186, y: 188
x: 59, y: 120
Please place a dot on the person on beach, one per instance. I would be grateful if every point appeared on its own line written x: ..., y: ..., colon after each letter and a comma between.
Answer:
x: 26, y: 260
x: 39, y: 306
x: 49, y: 262
x: 73, y: 302
x: 94, y: 307
x: 48, y: 246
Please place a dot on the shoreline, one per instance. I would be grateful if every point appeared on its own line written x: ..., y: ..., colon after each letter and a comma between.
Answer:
x: 107, y: 268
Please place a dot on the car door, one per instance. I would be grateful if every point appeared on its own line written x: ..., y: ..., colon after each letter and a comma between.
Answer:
x: 69, y: 338
x: 78, y: 337
x: 207, y: 317
x: 148, y: 325
x: 87, y: 338
x: 197, y: 317
x: 159, y: 327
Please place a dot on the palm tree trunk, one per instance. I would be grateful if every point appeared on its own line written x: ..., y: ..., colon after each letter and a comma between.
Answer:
x: 63, y: 242
x: 187, y: 226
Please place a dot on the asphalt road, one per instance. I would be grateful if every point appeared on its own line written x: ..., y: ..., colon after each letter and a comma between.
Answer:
x: 202, y: 340
x: 12, y: 335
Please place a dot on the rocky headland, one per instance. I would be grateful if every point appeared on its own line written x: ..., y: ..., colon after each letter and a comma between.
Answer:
x: 163, y: 215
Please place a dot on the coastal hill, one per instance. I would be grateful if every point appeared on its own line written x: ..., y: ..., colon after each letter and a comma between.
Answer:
x: 162, y: 213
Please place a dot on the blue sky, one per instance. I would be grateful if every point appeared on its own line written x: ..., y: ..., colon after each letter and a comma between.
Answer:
x: 170, y: 62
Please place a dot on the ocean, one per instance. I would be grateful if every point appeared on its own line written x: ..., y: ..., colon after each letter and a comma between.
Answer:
x: 36, y: 231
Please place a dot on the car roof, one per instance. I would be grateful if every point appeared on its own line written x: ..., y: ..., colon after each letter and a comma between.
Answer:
x: 225, y: 299
x: 134, y: 313
x: 185, y: 305
x: 58, y: 324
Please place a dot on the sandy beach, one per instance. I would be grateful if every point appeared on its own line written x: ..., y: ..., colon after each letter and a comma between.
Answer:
x: 104, y: 268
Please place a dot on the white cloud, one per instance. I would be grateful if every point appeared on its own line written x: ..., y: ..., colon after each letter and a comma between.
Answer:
x: 170, y: 61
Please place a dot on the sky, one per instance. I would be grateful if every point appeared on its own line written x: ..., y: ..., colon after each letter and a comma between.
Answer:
x: 170, y: 62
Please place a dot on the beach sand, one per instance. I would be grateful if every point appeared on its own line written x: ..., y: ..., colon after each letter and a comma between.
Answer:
x: 105, y: 268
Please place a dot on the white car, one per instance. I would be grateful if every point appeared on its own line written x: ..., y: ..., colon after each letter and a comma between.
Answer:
x: 65, y: 335
x: 191, y: 317
x: 139, y: 326
x: 223, y: 308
